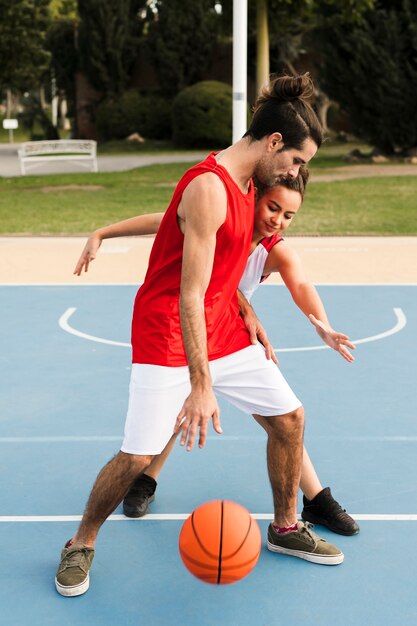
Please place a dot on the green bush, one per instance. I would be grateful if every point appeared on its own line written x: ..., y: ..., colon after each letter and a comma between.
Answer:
x: 148, y: 115
x: 202, y: 116
x: 157, y: 124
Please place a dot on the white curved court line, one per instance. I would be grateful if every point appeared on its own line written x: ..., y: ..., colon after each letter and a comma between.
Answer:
x: 400, y: 324
x: 399, y: 313
x: 63, y: 323
x: 181, y: 516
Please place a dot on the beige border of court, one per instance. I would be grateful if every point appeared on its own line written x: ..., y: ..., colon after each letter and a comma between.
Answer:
x: 331, y: 260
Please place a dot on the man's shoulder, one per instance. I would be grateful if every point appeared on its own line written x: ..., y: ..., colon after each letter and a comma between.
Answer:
x: 206, y: 184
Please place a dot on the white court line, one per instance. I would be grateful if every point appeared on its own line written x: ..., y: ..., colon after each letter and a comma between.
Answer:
x: 181, y: 516
x: 220, y: 438
x: 400, y: 324
x: 262, y: 286
x: 61, y: 439
x: 63, y: 323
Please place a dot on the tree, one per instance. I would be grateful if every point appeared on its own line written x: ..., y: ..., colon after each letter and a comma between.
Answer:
x: 182, y: 35
x: 371, y: 70
x: 287, y: 26
x: 23, y: 56
x: 61, y: 42
x: 108, y: 39
x: 60, y: 9
x: 278, y: 28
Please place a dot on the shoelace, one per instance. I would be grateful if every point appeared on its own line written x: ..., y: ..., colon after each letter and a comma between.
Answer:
x: 77, y: 558
x: 335, y: 509
x: 307, y: 529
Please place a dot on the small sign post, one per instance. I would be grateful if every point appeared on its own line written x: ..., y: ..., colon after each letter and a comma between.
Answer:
x: 10, y: 125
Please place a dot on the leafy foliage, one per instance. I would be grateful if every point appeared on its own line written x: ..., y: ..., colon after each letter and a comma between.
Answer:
x: 64, y: 56
x: 371, y: 70
x: 181, y: 38
x: 35, y: 120
x: 23, y: 55
x: 108, y: 39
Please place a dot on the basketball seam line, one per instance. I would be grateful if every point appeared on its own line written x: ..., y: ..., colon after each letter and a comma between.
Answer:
x: 219, y: 574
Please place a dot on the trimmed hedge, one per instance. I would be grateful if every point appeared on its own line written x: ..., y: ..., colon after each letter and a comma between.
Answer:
x: 202, y: 116
x: 149, y: 115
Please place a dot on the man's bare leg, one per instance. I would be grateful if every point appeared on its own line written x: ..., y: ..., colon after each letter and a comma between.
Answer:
x: 73, y: 577
x: 109, y: 489
x: 284, y: 458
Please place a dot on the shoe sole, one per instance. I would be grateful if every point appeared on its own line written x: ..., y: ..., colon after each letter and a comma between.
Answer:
x: 334, y: 529
x: 308, y: 556
x: 74, y: 590
x: 132, y: 512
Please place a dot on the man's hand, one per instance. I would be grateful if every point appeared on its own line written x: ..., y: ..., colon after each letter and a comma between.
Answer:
x: 88, y: 254
x: 198, y: 408
x: 337, y: 341
x: 256, y: 331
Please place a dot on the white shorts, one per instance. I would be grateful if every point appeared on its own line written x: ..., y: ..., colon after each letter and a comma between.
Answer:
x: 156, y: 395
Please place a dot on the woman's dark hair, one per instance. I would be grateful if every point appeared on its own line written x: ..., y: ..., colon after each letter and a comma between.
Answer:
x: 283, y: 107
x: 298, y: 184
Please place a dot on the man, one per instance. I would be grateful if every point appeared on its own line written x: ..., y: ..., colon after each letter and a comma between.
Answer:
x: 189, y: 341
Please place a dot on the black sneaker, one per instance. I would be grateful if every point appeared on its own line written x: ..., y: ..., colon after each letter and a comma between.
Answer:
x: 139, y: 496
x: 324, y: 510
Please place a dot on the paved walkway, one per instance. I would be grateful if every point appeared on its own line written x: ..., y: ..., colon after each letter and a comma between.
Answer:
x: 9, y: 165
x: 9, y: 162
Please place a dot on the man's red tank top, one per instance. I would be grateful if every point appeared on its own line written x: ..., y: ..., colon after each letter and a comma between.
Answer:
x: 156, y: 328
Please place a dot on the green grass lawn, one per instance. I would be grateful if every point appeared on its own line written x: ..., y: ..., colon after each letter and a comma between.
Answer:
x: 384, y: 205
x: 76, y: 204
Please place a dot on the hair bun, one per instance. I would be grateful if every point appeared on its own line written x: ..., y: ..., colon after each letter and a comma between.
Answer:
x: 287, y: 88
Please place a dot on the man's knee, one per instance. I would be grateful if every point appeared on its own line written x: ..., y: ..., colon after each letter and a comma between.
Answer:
x: 136, y: 463
x: 289, y: 424
x: 295, y: 419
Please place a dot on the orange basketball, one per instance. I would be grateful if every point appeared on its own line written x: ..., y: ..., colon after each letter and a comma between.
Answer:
x: 220, y: 542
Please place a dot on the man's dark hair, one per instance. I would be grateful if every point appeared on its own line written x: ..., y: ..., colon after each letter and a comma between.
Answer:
x: 283, y: 107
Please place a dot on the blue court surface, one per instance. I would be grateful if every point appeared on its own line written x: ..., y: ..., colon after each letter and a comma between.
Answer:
x: 65, y: 366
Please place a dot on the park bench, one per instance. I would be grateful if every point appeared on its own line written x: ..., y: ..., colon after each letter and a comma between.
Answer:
x: 80, y: 151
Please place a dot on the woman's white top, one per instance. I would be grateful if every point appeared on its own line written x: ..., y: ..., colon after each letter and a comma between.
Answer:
x: 254, y: 271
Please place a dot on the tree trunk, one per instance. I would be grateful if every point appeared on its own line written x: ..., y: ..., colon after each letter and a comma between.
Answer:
x: 262, y: 44
x: 322, y: 104
x: 9, y: 103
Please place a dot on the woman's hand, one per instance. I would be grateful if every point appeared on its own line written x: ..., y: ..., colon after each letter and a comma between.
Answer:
x: 335, y: 340
x: 88, y: 254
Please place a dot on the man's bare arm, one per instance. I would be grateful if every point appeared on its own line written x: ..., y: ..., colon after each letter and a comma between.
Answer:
x: 201, y: 212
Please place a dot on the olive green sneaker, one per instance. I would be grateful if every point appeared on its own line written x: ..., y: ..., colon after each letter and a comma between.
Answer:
x: 72, y: 577
x: 304, y: 544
